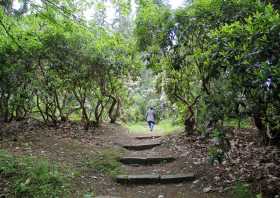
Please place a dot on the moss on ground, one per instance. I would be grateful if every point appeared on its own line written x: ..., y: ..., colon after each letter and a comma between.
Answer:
x: 106, y: 162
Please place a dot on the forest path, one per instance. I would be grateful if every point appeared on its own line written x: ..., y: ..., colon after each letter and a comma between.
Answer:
x: 70, y: 146
x: 141, y: 183
x: 144, y: 159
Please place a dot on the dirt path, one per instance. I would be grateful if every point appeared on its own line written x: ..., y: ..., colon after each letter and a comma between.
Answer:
x: 70, y: 147
x: 179, y: 166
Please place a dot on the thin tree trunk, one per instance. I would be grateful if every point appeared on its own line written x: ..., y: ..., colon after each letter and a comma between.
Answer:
x: 60, y: 109
x: 82, y: 100
x: 114, y: 111
x: 98, y: 112
x: 39, y: 108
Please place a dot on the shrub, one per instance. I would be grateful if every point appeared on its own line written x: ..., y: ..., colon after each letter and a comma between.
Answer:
x: 32, y: 177
x: 8, y: 164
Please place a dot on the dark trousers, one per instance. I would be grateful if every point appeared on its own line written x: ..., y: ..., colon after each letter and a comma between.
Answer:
x: 151, y: 125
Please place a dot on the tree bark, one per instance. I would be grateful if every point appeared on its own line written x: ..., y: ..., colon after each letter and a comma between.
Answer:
x: 98, y: 112
x: 81, y: 98
x: 114, y: 111
x: 190, y: 121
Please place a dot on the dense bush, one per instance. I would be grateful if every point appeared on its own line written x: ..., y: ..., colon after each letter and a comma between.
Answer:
x: 53, y: 66
x: 245, y: 58
x: 218, y: 57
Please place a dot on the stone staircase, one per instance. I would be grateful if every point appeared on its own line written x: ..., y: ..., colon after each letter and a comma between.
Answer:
x: 138, y: 159
x: 141, y: 146
x: 147, y: 160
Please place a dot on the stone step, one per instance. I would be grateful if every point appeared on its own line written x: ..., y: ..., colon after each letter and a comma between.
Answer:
x: 138, y: 147
x: 152, y: 179
x: 147, y: 137
x: 165, y: 179
x: 138, y: 179
x: 107, y: 197
x: 146, y: 160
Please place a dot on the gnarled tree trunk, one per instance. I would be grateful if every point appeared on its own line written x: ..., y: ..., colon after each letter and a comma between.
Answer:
x: 98, y: 112
x: 114, y: 110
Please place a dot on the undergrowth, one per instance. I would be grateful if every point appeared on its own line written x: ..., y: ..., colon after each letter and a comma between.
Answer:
x: 106, y: 162
x: 32, y: 177
x: 242, y: 190
x: 243, y: 123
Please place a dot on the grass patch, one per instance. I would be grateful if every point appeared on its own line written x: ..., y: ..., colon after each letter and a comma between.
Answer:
x: 31, y: 177
x: 242, y: 190
x: 106, y: 162
x: 164, y: 127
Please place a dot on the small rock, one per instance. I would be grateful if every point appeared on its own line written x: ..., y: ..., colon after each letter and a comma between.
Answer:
x: 207, y: 189
x: 196, y: 181
x: 217, y: 178
x: 220, y: 189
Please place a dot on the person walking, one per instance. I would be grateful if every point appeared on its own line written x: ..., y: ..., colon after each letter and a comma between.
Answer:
x: 151, y: 118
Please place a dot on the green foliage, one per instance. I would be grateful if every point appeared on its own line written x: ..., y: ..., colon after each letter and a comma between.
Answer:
x: 145, y: 92
x: 217, y: 55
x: 246, y: 59
x: 151, y: 22
x: 53, y: 65
x: 244, y: 123
x: 106, y: 162
x: 31, y: 177
x: 8, y: 163
x: 242, y: 190
x: 259, y: 195
x: 178, y: 46
x: 215, y: 154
